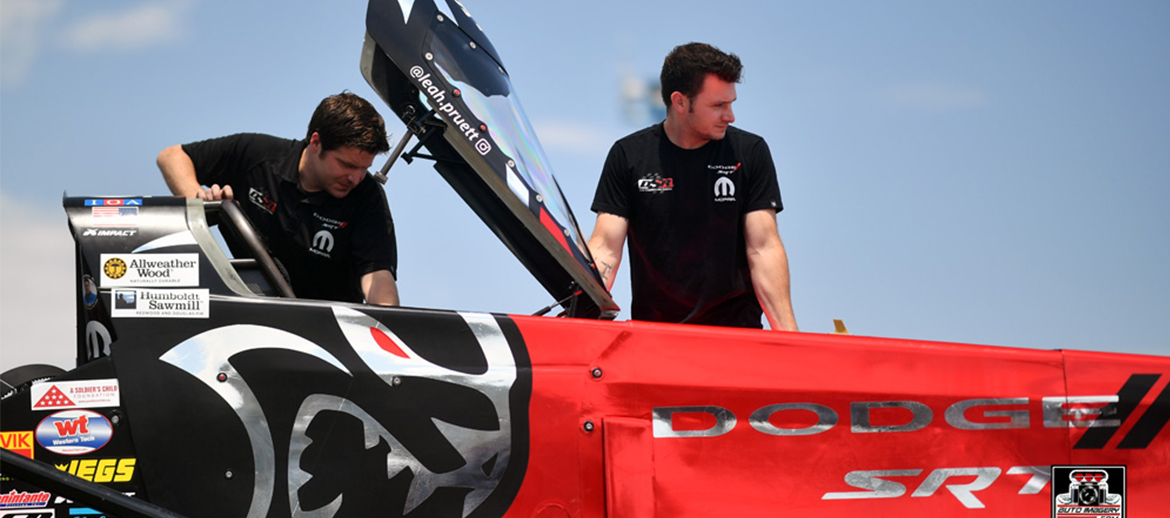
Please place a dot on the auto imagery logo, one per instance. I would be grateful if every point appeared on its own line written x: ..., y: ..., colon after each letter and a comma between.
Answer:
x: 1093, y: 491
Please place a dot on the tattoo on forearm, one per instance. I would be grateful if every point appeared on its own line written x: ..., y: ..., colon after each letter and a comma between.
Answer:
x: 606, y: 269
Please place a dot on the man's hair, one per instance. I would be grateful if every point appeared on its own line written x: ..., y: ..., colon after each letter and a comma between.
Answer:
x: 687, y: 66
x: 350, y: 121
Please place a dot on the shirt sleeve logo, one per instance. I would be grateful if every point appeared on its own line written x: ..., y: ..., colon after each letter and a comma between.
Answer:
x: 261, y: 200
x: 654, y: 182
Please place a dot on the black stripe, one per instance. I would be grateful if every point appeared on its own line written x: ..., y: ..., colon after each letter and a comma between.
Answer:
x: 1128, y: 398
x: 1150, y: 424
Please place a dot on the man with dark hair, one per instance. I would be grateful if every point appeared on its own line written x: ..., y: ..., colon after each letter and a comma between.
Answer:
x: 698, y: 199
x: 312, y: 201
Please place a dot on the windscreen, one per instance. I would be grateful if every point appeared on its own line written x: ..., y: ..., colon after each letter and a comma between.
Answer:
x: 472, y: 78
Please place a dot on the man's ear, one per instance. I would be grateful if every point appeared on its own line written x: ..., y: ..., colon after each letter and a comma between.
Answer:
x: 678, y: 102
x: 315, y: 142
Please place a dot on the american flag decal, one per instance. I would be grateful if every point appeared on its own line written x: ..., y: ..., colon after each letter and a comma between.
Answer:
x: 115, y: 216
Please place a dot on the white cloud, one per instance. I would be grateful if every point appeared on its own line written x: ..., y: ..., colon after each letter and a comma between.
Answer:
x: 140, y: 27
x: 21, y: 25
x: 936, y: 97
x: 573, y: 137
x: 37, y: 293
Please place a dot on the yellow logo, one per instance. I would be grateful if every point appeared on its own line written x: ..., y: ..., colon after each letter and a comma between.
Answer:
x: 101, y: 470
x: 114, y: 268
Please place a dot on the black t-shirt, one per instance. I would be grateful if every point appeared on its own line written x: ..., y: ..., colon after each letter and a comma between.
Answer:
x: 326, y: 244
x: 687, y: 253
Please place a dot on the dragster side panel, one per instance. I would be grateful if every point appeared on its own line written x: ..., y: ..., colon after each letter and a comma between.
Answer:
x: 677, y: 420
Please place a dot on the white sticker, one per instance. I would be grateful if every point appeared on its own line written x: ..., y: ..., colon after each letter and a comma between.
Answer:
x: 150, y: 270
x: 147, y: 303
x: 63, y: 395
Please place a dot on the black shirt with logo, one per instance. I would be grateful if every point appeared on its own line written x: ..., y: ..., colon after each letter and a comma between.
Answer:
x: 687, y: 251
x: 326, y: 244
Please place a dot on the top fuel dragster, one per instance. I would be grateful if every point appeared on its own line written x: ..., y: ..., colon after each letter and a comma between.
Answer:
x: 204, y: 387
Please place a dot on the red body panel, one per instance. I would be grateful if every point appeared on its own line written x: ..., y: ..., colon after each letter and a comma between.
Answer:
x: 622, y: 466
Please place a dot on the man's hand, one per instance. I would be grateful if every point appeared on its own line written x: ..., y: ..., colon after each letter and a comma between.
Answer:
x: 215, y: 193
x: 768, y: 263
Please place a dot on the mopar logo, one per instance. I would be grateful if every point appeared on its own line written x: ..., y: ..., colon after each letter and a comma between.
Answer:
x: 724, y: 189
x: 323, y: 243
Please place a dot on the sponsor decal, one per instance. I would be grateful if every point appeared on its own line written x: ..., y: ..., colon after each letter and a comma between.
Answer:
x: 330, y: 223
x: 89, y: 291
x: 30, y: 513
x: 114, y: 203
x: 148, y: 303
x: 114, y: 268
x: 1102, y: 415
x: 96, y: 232
x: 1092, y: 491
x: 654, y: 182
x: 20, y: 443
x: 114, y: 216
x: 101, y: 470
x: 882, y: 483
x: 439, y: 96
x: 74, y: 432
x: 724, y: 169
x: 97, y: 339
x: 260, y: 200
x: 322, y: 243
x: 724, y: 189
x: 13, y: 499
x: 150, y: 270
x: 62, y: 395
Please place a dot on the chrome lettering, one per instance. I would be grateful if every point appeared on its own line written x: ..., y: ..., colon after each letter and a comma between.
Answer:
x: 1019, y: 418
x: 963, y: 492
x: 761, y: 419
x: 1055, y: 411
x: 664, y: 425
x: 874, y: 486
x: 921, y: 415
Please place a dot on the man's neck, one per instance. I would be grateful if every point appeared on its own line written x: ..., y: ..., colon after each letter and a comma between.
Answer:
x: 680, y: 137
x: 302, y: 170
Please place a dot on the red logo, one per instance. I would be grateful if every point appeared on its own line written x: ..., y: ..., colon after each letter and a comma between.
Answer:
x: 52, y: 399
x: 17, y: 442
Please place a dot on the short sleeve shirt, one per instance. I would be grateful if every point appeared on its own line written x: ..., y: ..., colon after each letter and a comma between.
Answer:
x: 326, y: 244
x: 687, y: 251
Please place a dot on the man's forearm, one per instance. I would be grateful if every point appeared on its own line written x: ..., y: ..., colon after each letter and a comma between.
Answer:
x: 769, y: 270
x: 605, y: 245
x: 178, y: 172
x: 380, y: 288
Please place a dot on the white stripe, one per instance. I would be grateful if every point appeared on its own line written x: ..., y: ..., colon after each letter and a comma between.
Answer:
x: 517, y: 186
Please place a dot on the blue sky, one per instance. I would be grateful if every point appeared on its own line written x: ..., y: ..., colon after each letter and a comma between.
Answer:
x: 980, y: 172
